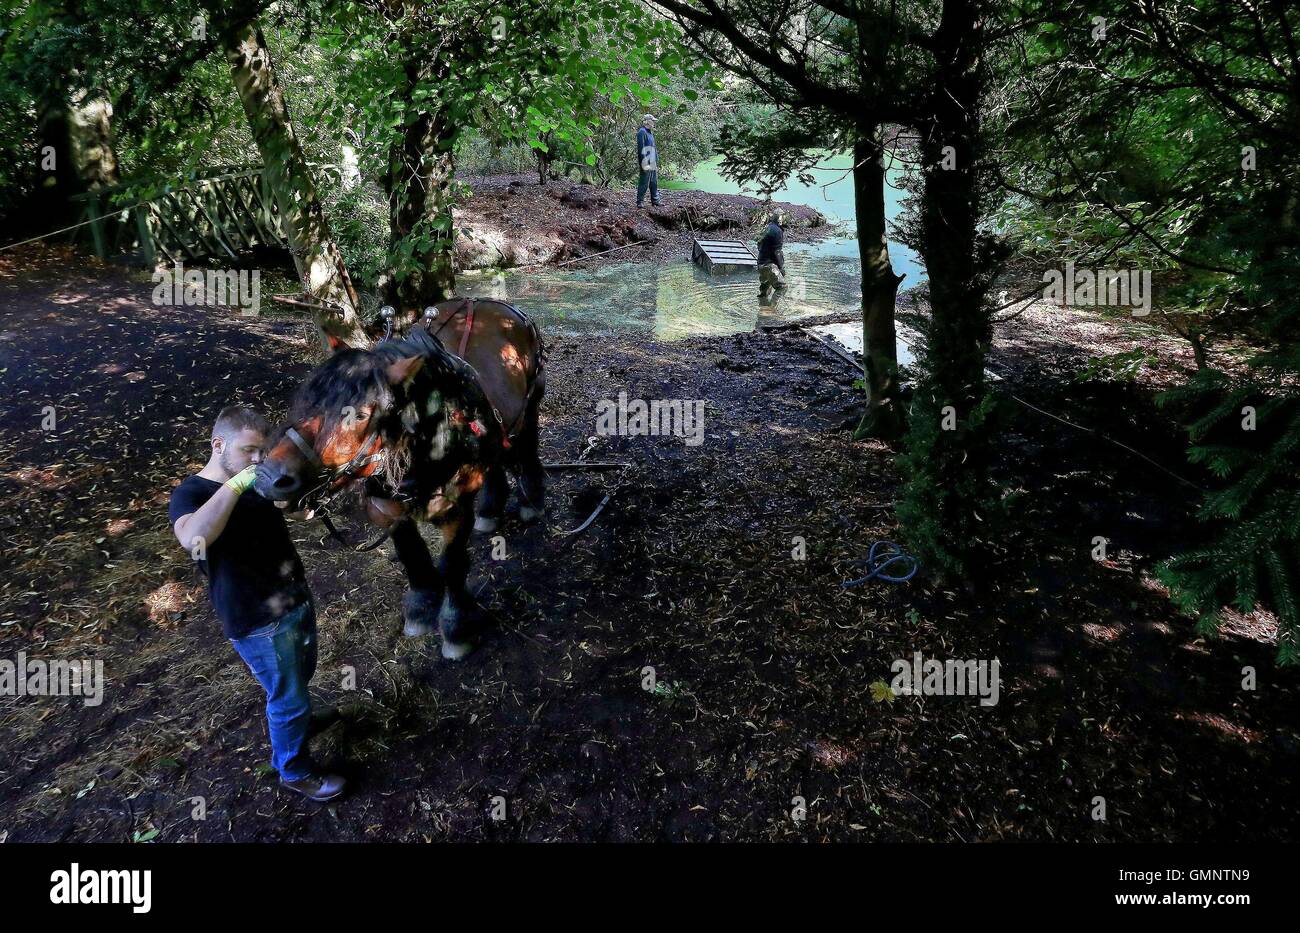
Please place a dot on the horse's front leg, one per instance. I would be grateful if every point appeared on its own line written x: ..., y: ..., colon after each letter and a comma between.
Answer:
x: 459, y: 618
x: 424, y: 593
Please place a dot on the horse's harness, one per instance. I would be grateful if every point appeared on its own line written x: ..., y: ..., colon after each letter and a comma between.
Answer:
x: 538, y: 361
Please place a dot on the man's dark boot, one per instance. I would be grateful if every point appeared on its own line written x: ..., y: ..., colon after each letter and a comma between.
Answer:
x: 320, y: 789
x: 322, y: 719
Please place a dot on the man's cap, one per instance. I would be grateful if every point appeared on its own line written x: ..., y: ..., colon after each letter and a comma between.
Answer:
x: 648, y: 118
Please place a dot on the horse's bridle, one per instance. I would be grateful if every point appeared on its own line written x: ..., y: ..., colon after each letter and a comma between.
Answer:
x: 352, y: 470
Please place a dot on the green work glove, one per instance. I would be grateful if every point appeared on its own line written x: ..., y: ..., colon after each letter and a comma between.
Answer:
x: 243, y: 481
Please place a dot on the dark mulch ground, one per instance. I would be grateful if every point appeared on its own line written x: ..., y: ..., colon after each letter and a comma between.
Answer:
x: 763, y: 664
x: 584, y: 226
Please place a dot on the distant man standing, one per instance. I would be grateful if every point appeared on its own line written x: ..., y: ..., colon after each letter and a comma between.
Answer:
x: 771, y: 257
x: 258, y: 589
x: 649, y: 161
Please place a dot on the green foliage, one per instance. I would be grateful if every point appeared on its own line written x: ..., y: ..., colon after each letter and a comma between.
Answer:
x: 18, y: 136
x: 688, y: 112
x: 359, y: 216
x: 882, y: 692
x: 1246, y: 433
x: 949, y: 509
x: 414, y: 79
x: 18, y: 141
x: 491, y: 66
x: 685, y: 134
x: 1175, y: 144
x: 764, y: 145
x: 1119, y: 367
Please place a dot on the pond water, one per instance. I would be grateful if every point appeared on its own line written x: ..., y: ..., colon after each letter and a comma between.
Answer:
x: 677, y: 299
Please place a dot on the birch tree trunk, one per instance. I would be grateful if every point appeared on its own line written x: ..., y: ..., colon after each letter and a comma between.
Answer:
x: 315, y: 254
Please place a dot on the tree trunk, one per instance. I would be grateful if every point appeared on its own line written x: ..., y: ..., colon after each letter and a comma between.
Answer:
x: 315, y: 254
x: 883, y: 417
x: 545, y: 158
x: 76, y: 135
x: 961, y: 326
x: 419, y: 203
x: 947, y: 504
x: 76, y: 140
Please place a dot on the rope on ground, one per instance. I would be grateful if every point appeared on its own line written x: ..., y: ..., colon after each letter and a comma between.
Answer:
x: 538, y: 265
x: 1097, y: 433
x: 830, y: 345
x: 592, y: 517
x: 877, y: 562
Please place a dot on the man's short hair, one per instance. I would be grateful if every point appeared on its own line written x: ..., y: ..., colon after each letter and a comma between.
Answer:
x: 235, y: 418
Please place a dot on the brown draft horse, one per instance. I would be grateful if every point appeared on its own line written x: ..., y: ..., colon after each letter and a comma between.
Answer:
x: 419, y: 429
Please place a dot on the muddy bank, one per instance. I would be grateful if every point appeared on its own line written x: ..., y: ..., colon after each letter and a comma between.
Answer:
x: 511, y: 221
x: 764, y: 666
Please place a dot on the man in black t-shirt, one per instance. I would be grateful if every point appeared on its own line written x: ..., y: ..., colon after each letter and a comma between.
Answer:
x: 258, y: 589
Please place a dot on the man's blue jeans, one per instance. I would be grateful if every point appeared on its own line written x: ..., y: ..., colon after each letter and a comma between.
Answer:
x: 648, y: 180
x: 282, y: 656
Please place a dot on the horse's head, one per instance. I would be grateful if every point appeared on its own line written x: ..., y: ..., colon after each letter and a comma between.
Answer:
x: 342, y: 422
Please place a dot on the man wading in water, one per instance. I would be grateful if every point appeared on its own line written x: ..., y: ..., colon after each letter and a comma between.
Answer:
x: 771, y: 258
x: 258, y: 590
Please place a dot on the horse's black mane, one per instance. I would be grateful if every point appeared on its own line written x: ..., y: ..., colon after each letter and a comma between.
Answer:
x: 419, y: 342
x: 353, y: 377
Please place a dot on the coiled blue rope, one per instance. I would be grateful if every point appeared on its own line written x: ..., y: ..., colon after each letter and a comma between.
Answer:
x: 879, y: 561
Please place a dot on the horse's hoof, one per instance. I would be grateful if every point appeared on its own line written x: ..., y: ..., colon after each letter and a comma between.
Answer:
x: 486, y: 523
x: 420, y: 613
x: 414, y: 629
x: 459, y: 624
x: 454, y: 651
x: 528, y: 514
